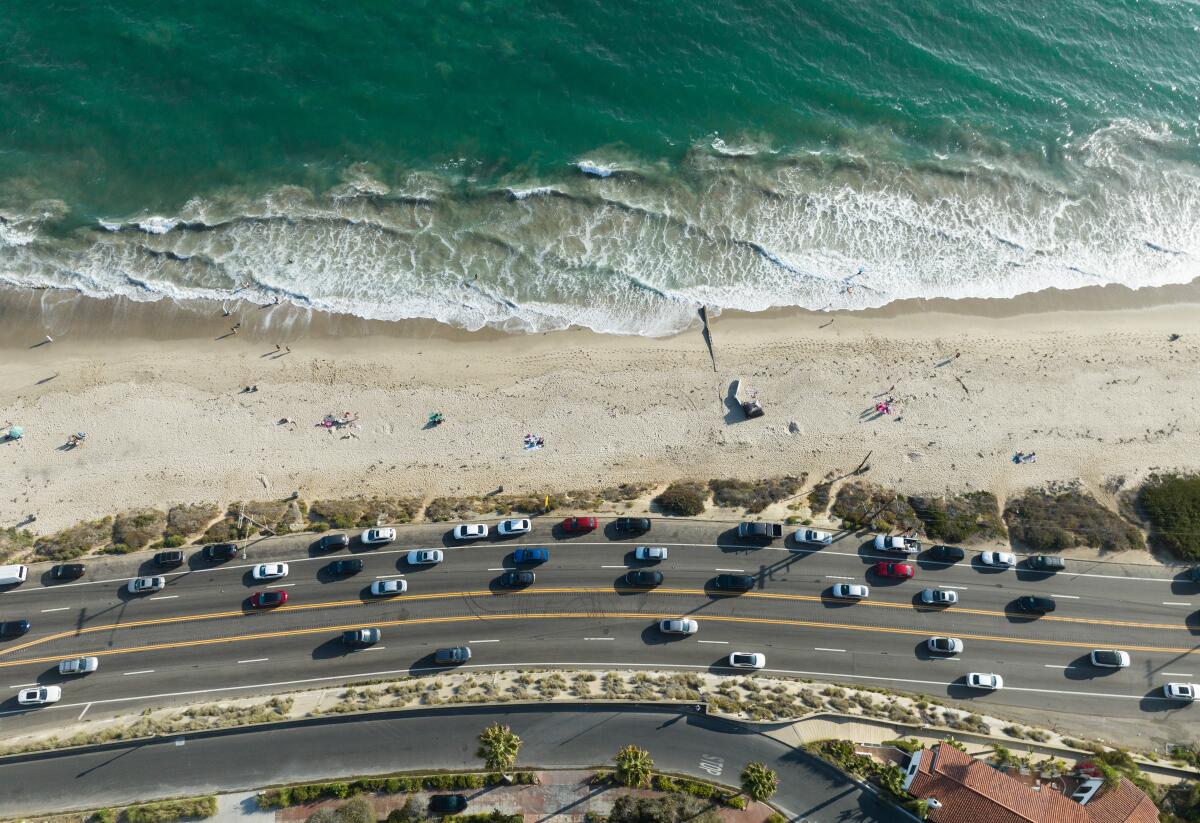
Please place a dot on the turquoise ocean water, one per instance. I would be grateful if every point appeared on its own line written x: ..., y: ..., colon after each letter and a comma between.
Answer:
x: 532, y: 165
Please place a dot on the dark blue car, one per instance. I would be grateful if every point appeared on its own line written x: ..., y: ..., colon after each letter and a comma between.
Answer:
x: 531, y: 555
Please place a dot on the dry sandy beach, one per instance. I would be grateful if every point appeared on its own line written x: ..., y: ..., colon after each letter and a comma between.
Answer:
x: 1089, y: 380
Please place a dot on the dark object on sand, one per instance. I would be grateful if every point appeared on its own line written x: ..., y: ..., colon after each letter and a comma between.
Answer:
x: 747, y: 399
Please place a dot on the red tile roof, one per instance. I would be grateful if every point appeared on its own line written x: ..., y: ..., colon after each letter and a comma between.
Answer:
x: 971, y: 791
x: 1124, y: 804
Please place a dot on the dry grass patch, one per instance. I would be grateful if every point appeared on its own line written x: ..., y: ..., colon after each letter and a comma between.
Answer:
x: 866, y: 505
x: 1062, y: 517
x: 754, y: 495
x: 76, y: 541
x: 363, y: 512
x: 138, y: 528
x: 14, y: 543
x: 961, y: 517
x: 186, y: 521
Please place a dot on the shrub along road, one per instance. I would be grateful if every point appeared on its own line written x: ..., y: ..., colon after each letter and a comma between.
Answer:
x: 331, y: 748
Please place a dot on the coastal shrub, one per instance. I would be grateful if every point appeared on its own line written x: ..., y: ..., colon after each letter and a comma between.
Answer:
x: 818, y: 497
x: 441, y: 509
x: 187, y: 520
x: 103, y: 816
x: 684, y: 498
x: 961, y: 517
x: 195, y: 808
x: 269, y: 513
x: 1059, y: 518
x: 14, y: 543
x: 671, y: 808
x: 1172, y: 504
x: 1181, y: 803
x: 363, y: 512
x: 173, y: 542
x: 866, y: 505
x: 224, y: 530
x: 754, y: 495
x: 138, y: 528
x: 74, y: 541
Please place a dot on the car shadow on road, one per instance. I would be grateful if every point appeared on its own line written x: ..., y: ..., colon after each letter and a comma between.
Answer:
x: 1183, y: 584
x: 1192, y: 621
x: 1154, y: 701
x: 651, y: 636
x: 1081, y: 668
x: 1014, y: 614
x: 1027, y: 575
x: 831, y: 602
x: 330, y: 649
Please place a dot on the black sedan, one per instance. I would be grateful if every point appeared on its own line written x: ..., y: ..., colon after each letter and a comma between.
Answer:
x: 516, y: 579
x: 1036, y: 605
x: 14, y: 628
x: 333, y: 542
x: 68, y: 571
x: 447, y: 803
x: 632, y: 525
x: 733, y: 582
x: 219, y: 552
x: 643, y: 578
x: 947, y: 554
x: 342, y: 568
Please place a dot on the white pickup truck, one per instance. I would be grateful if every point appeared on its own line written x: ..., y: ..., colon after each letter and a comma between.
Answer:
x: 897, y: 544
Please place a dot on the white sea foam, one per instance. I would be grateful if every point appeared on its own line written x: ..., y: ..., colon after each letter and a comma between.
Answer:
x: 735, y: 233
x: 594, y: 169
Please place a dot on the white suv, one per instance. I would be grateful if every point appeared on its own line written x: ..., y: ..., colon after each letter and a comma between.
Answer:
x: 813, y: 536
x: 508, y: 527
x: 146, y: 585
x: 1110, y: 659
x: 679, y: 625
x: 374, y: 537
x: 470, y: 531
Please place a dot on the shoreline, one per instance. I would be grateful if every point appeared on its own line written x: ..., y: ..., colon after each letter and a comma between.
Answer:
x: 1088, y: 379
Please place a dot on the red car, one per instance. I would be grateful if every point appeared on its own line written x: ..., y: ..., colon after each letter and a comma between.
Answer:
x: 575, y: 525
x: 900, y: 571
x: 268, y: 600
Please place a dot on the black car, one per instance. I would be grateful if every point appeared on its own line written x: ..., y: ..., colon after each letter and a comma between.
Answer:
x: 333, y: 542
x: 447, y: 803
x: 632, y: 525
x: 734, y: 582
x: 68, y: 571
x: 1046, y: 563
x: 345, y: 567
x: 14, y: 628
x: 169, y: 559
x: 1035, y: 604
x: 517, y: 579
x: 947, y: 554
x: 219, y: 552
x: 644, y: 578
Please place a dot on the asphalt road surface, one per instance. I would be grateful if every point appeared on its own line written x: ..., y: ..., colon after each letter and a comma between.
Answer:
x: 329, y: 748
x: 199, y: 636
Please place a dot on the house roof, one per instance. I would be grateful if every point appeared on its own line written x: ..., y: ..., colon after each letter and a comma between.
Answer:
x: 1124, y: 804
x: 971, y: 791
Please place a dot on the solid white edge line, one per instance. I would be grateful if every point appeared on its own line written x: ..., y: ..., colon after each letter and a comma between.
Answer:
x: 255, y: 660
x: 59, y: 609
x: 715, y: 642
x: 22, y: 685
x: 1174, y: 603
x: 141, y: 671
x: 820, y: 649
x: 729, y: 570
x: 838, y: 577
x: 387, y: 576
x: 1053, y: 666
x: 483, y: 641
x: 164, y: 597
x: 1068, y: 596
x: 1177, y: 674
x: 599, y: 638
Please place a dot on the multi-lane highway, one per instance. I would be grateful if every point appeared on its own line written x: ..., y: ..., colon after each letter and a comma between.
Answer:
x: 199, y: 637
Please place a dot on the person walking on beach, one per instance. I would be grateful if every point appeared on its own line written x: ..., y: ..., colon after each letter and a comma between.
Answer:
x: 277, y: 347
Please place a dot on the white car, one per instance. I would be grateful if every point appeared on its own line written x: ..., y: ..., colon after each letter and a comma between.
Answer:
x: 1001, y: 560
x: 939, y: 597
x: 747, y: 660
x: 470, y: 531
x: 813, y: 536
x: 39, y: 696
x: 944, y: 645
x: 898, y: 544
x: 387, y: 588
x: 374, y: 537
x: 509, y: 527
x: 79, y: 665
x: 1110, y: 659
x: 650, y: 553
x: 679, y: 625
x: 982, y: 680
x: 419, y: 557
x: 1185, y: 692
x: 851, y: 591
x: 269, y: 571
x: 146, y: 585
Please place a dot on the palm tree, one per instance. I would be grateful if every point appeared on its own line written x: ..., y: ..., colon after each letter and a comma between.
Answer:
x: 498, y: 746
x: 758, y: 781
x: 634, y: 767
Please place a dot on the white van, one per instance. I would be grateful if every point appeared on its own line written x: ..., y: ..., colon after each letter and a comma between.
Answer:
x: 13, y: 575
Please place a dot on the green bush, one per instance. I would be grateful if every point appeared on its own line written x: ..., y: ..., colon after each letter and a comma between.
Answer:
x: 138, y: 528
x: 684, y: 498
x: 776, y: 817
x: 14, y: 543
x: 1172, y: 504
x: 173, y: 542
x: 818, y: 497
x: 75, y: 541
x: 909, y: 744
x: 962, y: 517
x: 754, y: 495
x: 1062, y: 517
x: 168, y: 811
x: 865, y: 505
x: 103, y: 816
